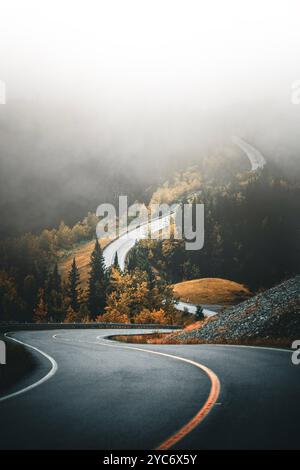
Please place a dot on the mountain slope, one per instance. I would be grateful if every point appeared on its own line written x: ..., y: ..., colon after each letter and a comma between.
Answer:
x: 272, y: 317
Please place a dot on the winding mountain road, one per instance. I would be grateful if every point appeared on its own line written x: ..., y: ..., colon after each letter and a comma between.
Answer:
x: 255, y: 157
x: 89, y: 392
x: 125, y: 242
x: 109, y: 395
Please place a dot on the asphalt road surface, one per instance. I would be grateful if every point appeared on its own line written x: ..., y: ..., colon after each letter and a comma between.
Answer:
x: 109, y: 395
x: 209, y: 310
x: 255, y: 157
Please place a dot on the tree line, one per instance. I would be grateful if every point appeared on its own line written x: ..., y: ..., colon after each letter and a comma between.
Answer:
x: 252, y: 231
x: 110, y: 296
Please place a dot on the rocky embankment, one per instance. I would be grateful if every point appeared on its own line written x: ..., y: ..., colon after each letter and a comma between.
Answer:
x: 272, y: 317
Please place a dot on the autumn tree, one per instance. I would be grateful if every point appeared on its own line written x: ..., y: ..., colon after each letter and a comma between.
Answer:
x: 40, y: 312
x: 64, y: 236
x: 135, y: 292
x: 71, y: 316
x: 127, y: 295
x: 84, y: 314
x: 151, y: 316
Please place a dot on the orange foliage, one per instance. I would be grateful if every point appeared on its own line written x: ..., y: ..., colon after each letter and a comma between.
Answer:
x: 154, y: 316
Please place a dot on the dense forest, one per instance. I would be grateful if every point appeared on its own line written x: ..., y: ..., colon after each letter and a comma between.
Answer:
x: 31, y: 287
x: 252, y: 234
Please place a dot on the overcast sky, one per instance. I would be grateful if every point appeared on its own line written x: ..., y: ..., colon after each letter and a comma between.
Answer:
x: 144, y: 81
x: 140, y: 53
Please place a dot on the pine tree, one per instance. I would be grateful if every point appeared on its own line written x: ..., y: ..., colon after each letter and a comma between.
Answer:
x: 74, y: 286
x: 56, y: 294
x: 199, y: 313
x: 116, y: 261
x: 97, y: 282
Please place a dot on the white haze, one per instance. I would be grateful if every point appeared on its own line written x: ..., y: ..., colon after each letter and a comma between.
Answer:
x: 144, y: 82
x: 137, y: 58
x: 118, y: 45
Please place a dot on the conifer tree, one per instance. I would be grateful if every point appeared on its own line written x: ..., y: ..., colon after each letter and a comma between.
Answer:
x: 116, y: 261
x: 54, y: 295
x: 199, y: 313
x: 97, y: 282
x: 74, y: 286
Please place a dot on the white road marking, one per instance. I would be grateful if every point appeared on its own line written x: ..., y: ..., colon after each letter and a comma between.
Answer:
x: 252, y: 347
x: 50, y: 374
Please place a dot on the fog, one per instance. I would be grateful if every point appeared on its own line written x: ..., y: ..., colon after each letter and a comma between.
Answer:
x: 104, y: 97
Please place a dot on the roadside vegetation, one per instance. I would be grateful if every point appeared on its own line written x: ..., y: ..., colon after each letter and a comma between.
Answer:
x: 106, y: 295
x: 151, y: 338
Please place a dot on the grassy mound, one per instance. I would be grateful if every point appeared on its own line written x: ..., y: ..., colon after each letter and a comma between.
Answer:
x: 211, y: 291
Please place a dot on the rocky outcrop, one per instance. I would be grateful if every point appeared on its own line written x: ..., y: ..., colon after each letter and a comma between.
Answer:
x: 271, y: 315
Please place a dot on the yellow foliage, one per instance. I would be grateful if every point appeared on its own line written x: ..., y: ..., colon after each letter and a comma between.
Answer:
x: 183, y: 183
x: 113, y: 316
x: 40, y: 312
x: 71, y: 316
x: 154, y: 316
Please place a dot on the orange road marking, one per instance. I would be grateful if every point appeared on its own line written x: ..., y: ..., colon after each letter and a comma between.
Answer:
x: 202, y: 413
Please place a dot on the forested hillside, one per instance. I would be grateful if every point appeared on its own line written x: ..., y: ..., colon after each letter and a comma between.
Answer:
x: 251, y: 237
x: 251, y: 234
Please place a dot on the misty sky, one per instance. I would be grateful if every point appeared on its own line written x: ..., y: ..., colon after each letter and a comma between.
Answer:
x: 142, y: 83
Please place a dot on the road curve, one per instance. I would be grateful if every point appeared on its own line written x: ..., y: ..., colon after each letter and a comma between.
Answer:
x: 255, y: 157
x: 108, y: 395
x: 125, y: 242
